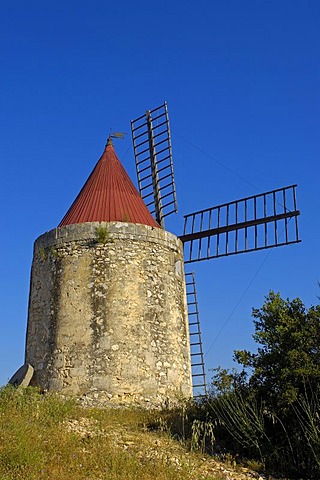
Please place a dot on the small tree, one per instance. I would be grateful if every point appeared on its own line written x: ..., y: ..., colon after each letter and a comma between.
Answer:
x: 288, y: 360
x: 270, y: 410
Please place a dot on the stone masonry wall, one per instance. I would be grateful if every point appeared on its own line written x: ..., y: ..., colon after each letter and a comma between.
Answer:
x: 108, y: 315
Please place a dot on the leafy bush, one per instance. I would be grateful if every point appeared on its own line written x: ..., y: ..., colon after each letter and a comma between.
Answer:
x: 270, y: 410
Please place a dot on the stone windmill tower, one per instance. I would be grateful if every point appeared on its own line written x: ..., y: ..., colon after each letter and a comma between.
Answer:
x: 110, y: 301
x: 107, y: 309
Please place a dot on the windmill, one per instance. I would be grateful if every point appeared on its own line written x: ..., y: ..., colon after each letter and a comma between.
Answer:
x: 248, y: 224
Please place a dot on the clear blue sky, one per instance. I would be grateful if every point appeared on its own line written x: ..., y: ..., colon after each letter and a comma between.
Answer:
x: 241, y: 79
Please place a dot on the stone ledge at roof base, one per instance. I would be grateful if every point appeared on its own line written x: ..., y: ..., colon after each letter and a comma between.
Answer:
x: 88, y: 231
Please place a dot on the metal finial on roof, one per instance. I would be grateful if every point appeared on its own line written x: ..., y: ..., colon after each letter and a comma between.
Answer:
x: 118, y: 135
x: 115, y: 135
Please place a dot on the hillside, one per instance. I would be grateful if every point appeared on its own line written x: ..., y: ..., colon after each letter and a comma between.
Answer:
x: 46, y: 438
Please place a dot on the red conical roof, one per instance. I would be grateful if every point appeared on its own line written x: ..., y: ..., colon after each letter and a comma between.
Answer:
x: 108, y: 196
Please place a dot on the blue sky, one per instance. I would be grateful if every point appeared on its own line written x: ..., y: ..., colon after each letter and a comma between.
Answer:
x: 241, y: 79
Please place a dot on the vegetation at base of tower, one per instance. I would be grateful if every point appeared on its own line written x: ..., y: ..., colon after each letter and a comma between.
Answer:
x: 269, y: 412
x: 271, y: 409
x: 45, y: 437
x: 266, y: 417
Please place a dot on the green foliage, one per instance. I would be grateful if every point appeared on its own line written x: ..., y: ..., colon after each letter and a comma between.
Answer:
x: 289, y: 354
x: 273, y: 415
x: 26, y: 422
x: 307, y: 411
x: 202, y: 435
x: 43, y: 253
x: 54, y: 252
x: 102, y: 234
x: 43, y: 437
x: 190, y: 424
x: 243, y: 419
x: 225, y: 381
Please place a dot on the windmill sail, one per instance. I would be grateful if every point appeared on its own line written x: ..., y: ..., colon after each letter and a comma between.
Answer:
x: 153, y: 156
x: 257, y: 222
x: 261, y: 221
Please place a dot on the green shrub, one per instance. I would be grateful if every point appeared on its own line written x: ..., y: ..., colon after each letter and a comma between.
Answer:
x: 102, y: 234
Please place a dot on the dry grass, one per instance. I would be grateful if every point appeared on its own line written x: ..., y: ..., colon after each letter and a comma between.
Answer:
x: 43, y: 437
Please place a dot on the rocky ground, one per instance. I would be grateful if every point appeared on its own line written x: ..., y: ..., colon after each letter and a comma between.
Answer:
x: 152, y: 445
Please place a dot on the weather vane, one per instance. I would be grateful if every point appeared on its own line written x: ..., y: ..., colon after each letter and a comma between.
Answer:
x: 117, y: 134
